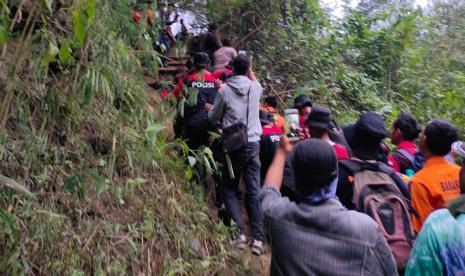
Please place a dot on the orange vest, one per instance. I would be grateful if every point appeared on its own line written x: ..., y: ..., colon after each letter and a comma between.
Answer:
x: 432, y: 187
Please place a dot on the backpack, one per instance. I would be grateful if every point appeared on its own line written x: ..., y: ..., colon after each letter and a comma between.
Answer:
x: 408, y: 161
x: 381, y: 194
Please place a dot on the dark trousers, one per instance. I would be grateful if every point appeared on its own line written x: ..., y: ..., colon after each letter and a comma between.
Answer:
x: 246, y: 164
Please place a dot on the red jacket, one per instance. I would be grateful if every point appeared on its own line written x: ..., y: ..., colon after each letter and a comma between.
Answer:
x: 407, y: 146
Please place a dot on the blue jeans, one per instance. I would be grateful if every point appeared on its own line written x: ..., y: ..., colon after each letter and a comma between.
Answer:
x: 246, y: 164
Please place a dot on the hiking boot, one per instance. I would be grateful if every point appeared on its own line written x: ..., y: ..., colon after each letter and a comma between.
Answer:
x: 257, y: 247
x: 240, y: 243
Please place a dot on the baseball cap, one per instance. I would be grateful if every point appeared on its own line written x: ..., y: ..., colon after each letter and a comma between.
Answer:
x: 201, y: 59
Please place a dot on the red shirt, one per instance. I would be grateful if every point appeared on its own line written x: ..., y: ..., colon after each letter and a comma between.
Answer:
x: 341, y: 151
x: 218, y: 73
x: 409, y: 147
x: 271, y: 130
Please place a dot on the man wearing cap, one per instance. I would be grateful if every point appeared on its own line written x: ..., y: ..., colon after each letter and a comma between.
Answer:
x: 319, y: 124
x: 438, y: 181
x: 238, y: 101
x: 196, y: 123
x: 303, y: 104
x: 440, y: 246
x: 318, y: 236
x: 364, y: 138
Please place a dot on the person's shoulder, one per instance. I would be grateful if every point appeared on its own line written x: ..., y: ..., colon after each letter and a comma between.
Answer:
x: 439, y: 221
x: 360, y: 226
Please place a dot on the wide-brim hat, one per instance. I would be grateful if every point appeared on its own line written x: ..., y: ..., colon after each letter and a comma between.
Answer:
x: 320, y: 117
x: 459, y: 148
x: 365, y: 136
x: 302, y: 101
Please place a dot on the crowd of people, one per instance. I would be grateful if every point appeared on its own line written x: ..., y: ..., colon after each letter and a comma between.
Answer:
x: 327, y: 200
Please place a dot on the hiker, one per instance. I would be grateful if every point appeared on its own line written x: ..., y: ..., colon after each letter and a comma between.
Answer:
x: 318, y: 236
x: 438, y: 181
x: 319, y: 124
x: 270, y: 104
x: 303, y: 104
x: 405, y: 130
x: 166, y: 34
x: 440, y: 246
x: 364, y: 138
x: 373, y: 188
x: 195, y: 126
x: 269, y: 141
x: 237, y: 104
x: 210, y: 42
x: 224, y: 55
x: 221, y: 75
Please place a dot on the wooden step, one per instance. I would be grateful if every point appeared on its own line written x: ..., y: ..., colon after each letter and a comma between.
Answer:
x: 168, y: 70
x: 176, y: 63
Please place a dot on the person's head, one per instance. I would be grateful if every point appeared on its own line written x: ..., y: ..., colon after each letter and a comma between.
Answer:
x: 266, y: 118
x: 200, y: 61
x: 459, y: 149
x: 319, y: 121
x: 227, y: 43
x: 213, y: 27
x: 437, y: 137
x: 404, y: 128
x: 241, y: 65
x: 315, y: 166
x: 160, y: 5
x: 171, y: 7
x: 365, y: 137
x: 270, y: 101
x: 303, y: 104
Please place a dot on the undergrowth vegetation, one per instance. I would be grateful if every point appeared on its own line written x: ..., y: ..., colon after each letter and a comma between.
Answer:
x: 91, y: 181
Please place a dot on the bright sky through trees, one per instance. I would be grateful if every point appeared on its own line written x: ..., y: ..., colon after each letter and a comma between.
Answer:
x: 336, y: 6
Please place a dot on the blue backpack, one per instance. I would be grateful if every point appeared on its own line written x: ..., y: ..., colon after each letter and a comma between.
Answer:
x: 408, y: 161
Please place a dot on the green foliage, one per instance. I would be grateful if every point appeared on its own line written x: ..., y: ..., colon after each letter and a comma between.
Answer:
x: 110, y: 193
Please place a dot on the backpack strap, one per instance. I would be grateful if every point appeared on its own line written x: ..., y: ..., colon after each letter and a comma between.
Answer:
x: 407, y: 155
x: 353, y: 166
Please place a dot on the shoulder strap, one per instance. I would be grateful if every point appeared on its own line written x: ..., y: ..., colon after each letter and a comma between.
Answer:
x: 353, y: 166
x: 407, y: 155
x: 247, y: 116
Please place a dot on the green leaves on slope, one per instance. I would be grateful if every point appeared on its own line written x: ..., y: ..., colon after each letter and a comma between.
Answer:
x: 83, y: 17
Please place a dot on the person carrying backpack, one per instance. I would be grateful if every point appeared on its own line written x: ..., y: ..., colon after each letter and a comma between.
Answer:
x: 318, y: 236
x: 440, y: 246
x: 405, y: 130
x: 194, y: 124
x: 373, y: 188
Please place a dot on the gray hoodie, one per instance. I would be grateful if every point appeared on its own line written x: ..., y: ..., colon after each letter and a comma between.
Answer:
x: 231, y: 105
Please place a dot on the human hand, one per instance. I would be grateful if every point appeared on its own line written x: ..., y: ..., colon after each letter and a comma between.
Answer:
x: 285, y: 145
x: 208, y: 106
